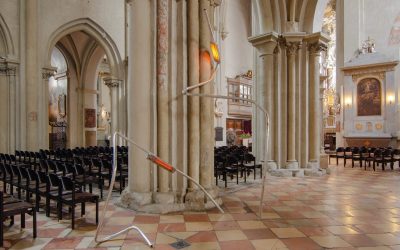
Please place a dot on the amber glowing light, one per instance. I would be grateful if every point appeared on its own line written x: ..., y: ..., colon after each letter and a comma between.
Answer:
x: 161, y: 163
x: 215, y: 52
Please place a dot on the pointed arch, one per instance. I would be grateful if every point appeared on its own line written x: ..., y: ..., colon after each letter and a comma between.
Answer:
x: 6, y: 42
x: 95, y: 31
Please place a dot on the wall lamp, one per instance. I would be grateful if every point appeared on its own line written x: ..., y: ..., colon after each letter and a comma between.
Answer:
x: 348, y: 101
x: 390, y: 99
x: 216, y: 57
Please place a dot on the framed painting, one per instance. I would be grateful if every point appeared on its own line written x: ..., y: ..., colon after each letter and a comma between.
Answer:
x: 90, y: 118
x: 369, y: 97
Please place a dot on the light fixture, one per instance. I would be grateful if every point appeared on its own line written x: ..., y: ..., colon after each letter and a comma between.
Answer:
x: 390, y: 99
x: 215, y: 52
x: 348, y: 101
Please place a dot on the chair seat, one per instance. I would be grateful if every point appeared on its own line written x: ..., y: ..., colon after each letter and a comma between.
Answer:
x: 80, y: 197
x: 16, y: 208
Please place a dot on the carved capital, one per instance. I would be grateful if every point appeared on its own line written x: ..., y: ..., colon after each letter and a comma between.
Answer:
x: 316, y: 48
x: 112, y: 83
x: 7, y: 68
x: 129, y: 1
x: 293, y: 47
x: 47, y: 73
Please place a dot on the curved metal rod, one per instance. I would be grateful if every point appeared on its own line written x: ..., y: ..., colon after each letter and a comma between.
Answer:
x: 267, y: 121
x: 103, y: 214
x: 186, y: 90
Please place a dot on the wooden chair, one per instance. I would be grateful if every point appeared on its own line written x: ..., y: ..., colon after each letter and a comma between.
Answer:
x: 76, y: 197
x: 8, y: 209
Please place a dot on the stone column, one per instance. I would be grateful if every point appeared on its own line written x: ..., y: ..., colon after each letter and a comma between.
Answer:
x: 266, y: 45
x: 32, y: 75
x: 139, y: 94
x: 206, y: 104
x: 315, y: 47
x: 193, y: 101
x: 113, y: 84
x: 44, y: 138
x: 292, y: 48
x: 162, y: 93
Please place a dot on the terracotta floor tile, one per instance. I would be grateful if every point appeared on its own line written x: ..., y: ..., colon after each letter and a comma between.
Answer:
x: 301, y: 244
x: 269, y: 244
x: 196, y: 218
x: 330, y: 241
x: 65, y: 243
x: 171, y: 227
x: 258, y: 234
x: 236, y: 245
x: 360, y: 240
x: 206, y: 236
x: 146, y: 219
x: 287, y: 232
x: 230, y: 235
x: 225, y: 225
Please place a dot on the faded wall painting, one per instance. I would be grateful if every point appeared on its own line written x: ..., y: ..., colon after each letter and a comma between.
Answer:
x: 90, y: 118
x: 369, y: 97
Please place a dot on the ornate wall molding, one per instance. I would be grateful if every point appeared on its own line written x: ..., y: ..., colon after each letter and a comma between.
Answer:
x: 370, y: 68
x: 381, y: 76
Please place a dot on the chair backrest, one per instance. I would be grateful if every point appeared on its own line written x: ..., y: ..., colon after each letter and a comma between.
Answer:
x: 54, y: 180
x: 68, y: 183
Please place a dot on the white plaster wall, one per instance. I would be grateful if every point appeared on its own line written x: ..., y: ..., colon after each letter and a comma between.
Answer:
x: 236, y: 51
x: 374, y: 19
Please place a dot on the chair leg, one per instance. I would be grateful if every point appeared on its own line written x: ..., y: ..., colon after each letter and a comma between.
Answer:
x: 97, y: 211
x: 34, y: 223
x: 23, y: 219
x: 73, y: 216
x: 82, y: 209
x: 1, y: 232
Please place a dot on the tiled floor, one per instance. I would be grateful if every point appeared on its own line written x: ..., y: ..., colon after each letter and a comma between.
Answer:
x: 349, y: 209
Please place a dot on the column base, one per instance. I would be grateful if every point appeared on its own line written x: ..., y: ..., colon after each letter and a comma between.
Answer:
x: 196, y: 200
x: 163, y: 203
x: 314, y: 169
x: 292, y: 165
x: 271, y: 165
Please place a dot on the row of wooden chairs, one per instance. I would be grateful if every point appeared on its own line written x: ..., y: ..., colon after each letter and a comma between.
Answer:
x: 62, y: 189
x: 365, y: 156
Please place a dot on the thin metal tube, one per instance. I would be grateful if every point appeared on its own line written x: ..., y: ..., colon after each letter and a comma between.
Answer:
x: 267, y: 121
x: 103, y: 215
x: 186, y: 90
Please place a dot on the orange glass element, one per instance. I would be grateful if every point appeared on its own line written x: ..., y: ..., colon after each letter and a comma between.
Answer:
x: 161, y: 163
x: 215, y: 52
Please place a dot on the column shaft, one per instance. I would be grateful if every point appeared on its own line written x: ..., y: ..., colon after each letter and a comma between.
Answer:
x: 291, y: 102
x: 206, y: 104
x: 162, y: 93
x: 315, y: 108
x: 193, y: 102
x: 139, y: 105
x: 32, y: 75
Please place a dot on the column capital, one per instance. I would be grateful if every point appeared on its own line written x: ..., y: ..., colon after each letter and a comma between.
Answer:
x: 316, y: 47
x: 48, y: 72
x: 265, y: 43
x: 129, y: 1
x: 317, y: 42
x: 292, y: 47
x: 215, y: 3
x: 112, y: 82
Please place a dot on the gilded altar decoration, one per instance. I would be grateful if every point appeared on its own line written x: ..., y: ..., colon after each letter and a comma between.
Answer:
x: 379, y: 126
x: 359, y: 126
x: 369, y: 97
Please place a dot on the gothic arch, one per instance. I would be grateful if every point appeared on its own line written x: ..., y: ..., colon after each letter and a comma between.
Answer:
x: 95, y: 31
x: 6, y: 42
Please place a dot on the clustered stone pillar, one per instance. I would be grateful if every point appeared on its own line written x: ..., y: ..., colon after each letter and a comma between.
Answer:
x: 113, y: 84
x: 288, y: 77
x: 292, y: 49
x: 46, y: 74
x: 266, y: 45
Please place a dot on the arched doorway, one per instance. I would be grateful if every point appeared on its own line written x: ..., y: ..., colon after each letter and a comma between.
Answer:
x: 92, y: 62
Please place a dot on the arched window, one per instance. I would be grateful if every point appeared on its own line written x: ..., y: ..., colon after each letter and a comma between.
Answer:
x: 369, y: 97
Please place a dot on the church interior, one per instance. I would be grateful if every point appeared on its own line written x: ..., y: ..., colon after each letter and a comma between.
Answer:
x: 199, y: 124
